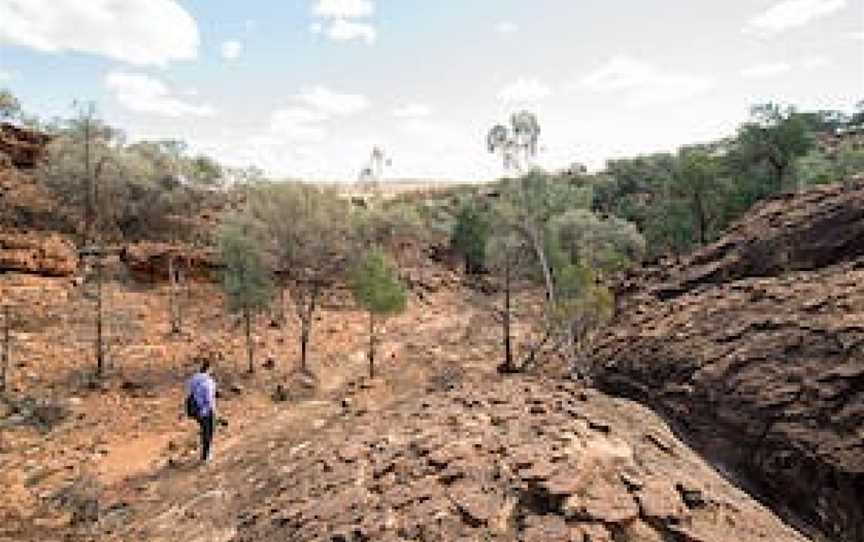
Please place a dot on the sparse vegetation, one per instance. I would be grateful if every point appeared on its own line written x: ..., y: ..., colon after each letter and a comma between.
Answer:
x: 246, y: 279
x: 377, y: 288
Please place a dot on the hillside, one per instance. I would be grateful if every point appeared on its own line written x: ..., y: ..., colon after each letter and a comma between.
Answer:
x: 753, y: 347
x: 438, y: 447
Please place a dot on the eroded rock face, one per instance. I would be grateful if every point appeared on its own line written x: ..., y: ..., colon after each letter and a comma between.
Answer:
x: 511, y: 460
x: 37, y: 253
x: 23, y: 147
x: 151, y: 261
x: 754, y: 347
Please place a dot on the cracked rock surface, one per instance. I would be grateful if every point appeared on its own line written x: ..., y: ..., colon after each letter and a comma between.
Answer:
x: 519, y: 459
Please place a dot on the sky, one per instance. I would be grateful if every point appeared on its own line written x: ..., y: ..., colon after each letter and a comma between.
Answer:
x: 306, y: 88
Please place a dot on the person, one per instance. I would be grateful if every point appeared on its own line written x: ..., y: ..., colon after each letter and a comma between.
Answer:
x: 202, y: 394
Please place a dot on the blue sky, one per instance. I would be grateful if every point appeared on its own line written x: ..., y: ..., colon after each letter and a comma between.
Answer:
x: 306, y: 88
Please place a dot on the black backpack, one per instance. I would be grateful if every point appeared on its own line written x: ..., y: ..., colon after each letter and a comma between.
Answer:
x: 191, y: 406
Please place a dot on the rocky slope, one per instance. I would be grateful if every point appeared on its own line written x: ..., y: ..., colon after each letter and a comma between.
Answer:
x: 754, y: 348
x: 489, y: 459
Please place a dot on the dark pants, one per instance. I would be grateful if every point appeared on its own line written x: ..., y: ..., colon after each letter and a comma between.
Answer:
x: 207, y: 424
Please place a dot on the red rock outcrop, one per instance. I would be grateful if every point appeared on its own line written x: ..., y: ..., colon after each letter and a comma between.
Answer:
x: 754, y: 349
x: 23, y: 146
x: 37, y: 253
x: 150, y: 261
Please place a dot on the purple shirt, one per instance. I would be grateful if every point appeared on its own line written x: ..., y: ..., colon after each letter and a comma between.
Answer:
x: 203, y: 390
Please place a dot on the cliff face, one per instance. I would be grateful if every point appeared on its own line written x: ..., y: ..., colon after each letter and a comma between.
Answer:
x: 754, y: 348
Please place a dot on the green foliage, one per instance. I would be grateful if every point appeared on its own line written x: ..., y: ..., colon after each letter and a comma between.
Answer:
x: 382, y: 222
x: 306, y: 233
x: 774, y: 138
x: 137, y: 191
x: 376, y: 286
x: 204, y: 171
x: 816, y: 168
x: 470, y: 235
x: 589, y: 242
x: 849, y: 161
x: 246, y: 278
x: 10, y: 107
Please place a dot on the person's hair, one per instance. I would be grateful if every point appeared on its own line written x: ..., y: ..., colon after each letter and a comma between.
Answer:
x: 205, y: 365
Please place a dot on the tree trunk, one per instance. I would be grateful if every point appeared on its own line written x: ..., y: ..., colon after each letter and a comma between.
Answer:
x: 540, y: 250
x: 247, y: 315
x: 90, y: 205
x: 178, y: 296
x: 282, y: 318
x: 779, y: 171
x: 508, y: 344
x: 701, y: 220
x: 304, y: 342
x: 306, y: 326
x: 6, y: 361
x: 100, y: 358
x: 371, y: 345
x: 172, y: 296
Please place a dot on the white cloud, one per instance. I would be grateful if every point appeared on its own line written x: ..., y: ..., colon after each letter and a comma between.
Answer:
x: 5, y: 76
x: 770, y: 69
x: 306, y: 122
x: 297, y: 124
x: 340, y: 24
x: 525, y: 90
x: 344, y: 30
x: 232, y: 49
x: 145, y: 94
x: 644, y: 84
x: 140, y: 32
x: 813, y: 62
x: 412, y: 111
x: 506, y: 27
x: 790, y: 14
x: 329, y: 102
x: 343, y: 9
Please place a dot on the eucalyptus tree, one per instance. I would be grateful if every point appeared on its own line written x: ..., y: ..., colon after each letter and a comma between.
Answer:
x: 528, y: 204
x: 517, y: 142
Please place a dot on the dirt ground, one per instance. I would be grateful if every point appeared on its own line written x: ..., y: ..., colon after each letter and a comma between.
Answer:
x: 121, y: 448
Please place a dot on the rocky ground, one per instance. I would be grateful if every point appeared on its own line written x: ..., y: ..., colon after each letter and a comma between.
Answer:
x: 754, y: 349
x: 69, y: 442
x: 488, y: 459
